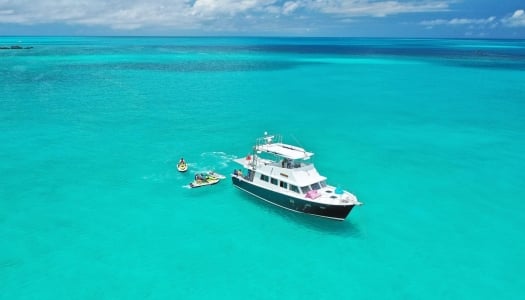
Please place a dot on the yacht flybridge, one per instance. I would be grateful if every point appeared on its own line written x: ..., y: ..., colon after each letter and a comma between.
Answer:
x: 282, y: 175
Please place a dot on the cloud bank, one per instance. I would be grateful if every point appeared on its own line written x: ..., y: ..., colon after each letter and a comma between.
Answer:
x: 458, y: 21
x: 516, y: 20
x: 192, y: 14
x: 295, y: 17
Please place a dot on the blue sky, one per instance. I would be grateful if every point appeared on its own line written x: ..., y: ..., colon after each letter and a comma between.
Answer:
x: 354, y: 18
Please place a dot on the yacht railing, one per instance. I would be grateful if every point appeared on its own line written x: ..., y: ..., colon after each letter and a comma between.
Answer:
x: 268, y: 139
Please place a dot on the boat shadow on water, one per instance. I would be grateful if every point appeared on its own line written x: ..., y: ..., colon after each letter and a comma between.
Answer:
x: 345, y: 228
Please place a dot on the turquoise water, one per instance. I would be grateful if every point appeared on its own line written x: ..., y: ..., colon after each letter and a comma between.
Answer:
x: 429, y: 134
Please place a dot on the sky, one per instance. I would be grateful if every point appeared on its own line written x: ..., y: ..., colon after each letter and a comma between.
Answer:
x: 337, y: 18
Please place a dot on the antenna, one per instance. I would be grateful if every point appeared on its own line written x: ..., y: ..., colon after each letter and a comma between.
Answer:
x: 297, y: 141
x: 306, y: 157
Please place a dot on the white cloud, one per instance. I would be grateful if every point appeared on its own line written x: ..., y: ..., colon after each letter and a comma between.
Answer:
x: 358, y: 8
x: 227, y: 7
x: 7, y: 12
x: 459, y: 21
x: 516, y: 20
x: 118, y: 14
x: 199, y: 14
x: 290, y: 6
x: 126, y: 14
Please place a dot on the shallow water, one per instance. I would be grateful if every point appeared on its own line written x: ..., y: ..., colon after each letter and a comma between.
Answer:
x: 429, y: 134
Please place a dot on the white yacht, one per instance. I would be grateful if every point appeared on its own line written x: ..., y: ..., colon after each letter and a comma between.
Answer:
x: 282, y: 175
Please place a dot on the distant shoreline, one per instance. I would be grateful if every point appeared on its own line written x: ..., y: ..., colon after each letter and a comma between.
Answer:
x: 14, y: 47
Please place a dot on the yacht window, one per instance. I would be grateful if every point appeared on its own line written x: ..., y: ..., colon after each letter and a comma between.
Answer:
x: 323, y: 183
x: 294, y: 188
x: 264, y: 177
x: 273, y: 181
x: 284, y: 185
x: 316, y: 186
x: 305, y: 189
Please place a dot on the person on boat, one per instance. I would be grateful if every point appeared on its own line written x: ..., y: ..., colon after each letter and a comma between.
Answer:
x: 287, y: 162
x: 181, y: 161
x: 198, y: 177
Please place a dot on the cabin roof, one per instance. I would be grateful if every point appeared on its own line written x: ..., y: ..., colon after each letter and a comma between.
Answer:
x: 284, y: 150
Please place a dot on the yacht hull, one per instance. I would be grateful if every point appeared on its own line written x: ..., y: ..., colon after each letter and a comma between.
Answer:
x: 300, y: 205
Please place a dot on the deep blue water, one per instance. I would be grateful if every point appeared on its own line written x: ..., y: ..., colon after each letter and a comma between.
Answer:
x: 429, y: 134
